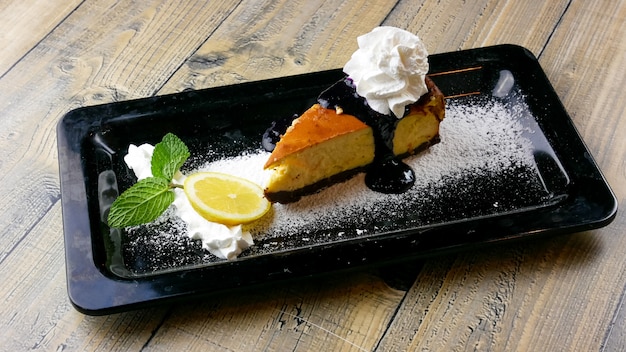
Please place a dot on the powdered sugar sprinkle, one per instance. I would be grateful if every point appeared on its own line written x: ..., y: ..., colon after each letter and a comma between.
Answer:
x: 483, y: 149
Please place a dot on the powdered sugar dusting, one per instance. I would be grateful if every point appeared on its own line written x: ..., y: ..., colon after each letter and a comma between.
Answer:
x: 477, y: 169
x: 479, y: 139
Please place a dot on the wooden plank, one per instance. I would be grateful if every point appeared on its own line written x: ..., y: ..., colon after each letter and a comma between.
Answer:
x: 24, y: 23
x: 504, y: 299
x: 333, y: 313
x: 266, y: 39
x: 456, y: 24
x: 566, y: 292
x: 36, y: 312
x: 583, y: 60
x: 104, y: 51
x: 588, y: 74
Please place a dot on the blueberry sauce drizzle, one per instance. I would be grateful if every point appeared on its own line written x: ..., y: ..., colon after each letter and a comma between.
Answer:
x: 387, y: 173
x: 271, y: 136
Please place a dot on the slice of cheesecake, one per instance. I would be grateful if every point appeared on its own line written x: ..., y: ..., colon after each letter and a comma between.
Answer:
x: 324, y: 146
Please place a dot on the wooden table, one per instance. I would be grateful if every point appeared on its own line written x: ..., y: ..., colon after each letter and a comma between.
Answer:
x: 558, y: 294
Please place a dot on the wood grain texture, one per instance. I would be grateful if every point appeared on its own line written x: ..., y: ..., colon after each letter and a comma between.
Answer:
x: 99, y: 54
x: 563, y: 291
x: 456, y: 24
x: 23, y: 24
x: 336, y: 313
x: 560, y: 294
x: 104, y: 51
x: 266, y: 39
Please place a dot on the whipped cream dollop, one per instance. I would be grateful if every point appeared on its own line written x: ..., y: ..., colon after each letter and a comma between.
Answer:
x: 388, y: 69
x: 225, y: 242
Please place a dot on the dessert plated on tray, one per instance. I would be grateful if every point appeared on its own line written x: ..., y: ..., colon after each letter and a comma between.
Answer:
x: 385, y: 108
x: 510, y: 165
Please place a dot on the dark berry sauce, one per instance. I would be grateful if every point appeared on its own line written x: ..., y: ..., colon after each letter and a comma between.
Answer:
x: 275, y: 131
x: 387, y: 173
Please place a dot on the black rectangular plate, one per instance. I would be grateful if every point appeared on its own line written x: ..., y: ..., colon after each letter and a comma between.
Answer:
x: 92, y: 140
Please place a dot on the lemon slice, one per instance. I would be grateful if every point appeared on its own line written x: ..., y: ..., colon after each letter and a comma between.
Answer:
x: 225, y: 199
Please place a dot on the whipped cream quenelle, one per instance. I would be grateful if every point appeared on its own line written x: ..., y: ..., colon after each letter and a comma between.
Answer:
x: 225, y: 242
x: 389, y: 69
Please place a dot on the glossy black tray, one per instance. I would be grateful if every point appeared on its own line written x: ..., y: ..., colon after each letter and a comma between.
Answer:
x: 573, y: 196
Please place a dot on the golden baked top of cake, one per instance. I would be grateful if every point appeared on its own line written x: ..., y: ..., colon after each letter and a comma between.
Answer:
x: 316, y: 125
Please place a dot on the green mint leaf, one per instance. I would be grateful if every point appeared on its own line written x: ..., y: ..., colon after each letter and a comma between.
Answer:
x: 169, y: 155
x: 145, y: 201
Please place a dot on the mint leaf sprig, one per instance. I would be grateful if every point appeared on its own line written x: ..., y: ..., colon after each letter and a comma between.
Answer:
x: 168, y: 156
x: 147, y: 199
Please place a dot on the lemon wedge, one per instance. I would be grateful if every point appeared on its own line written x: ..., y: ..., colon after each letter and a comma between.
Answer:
x: 225, y: 199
